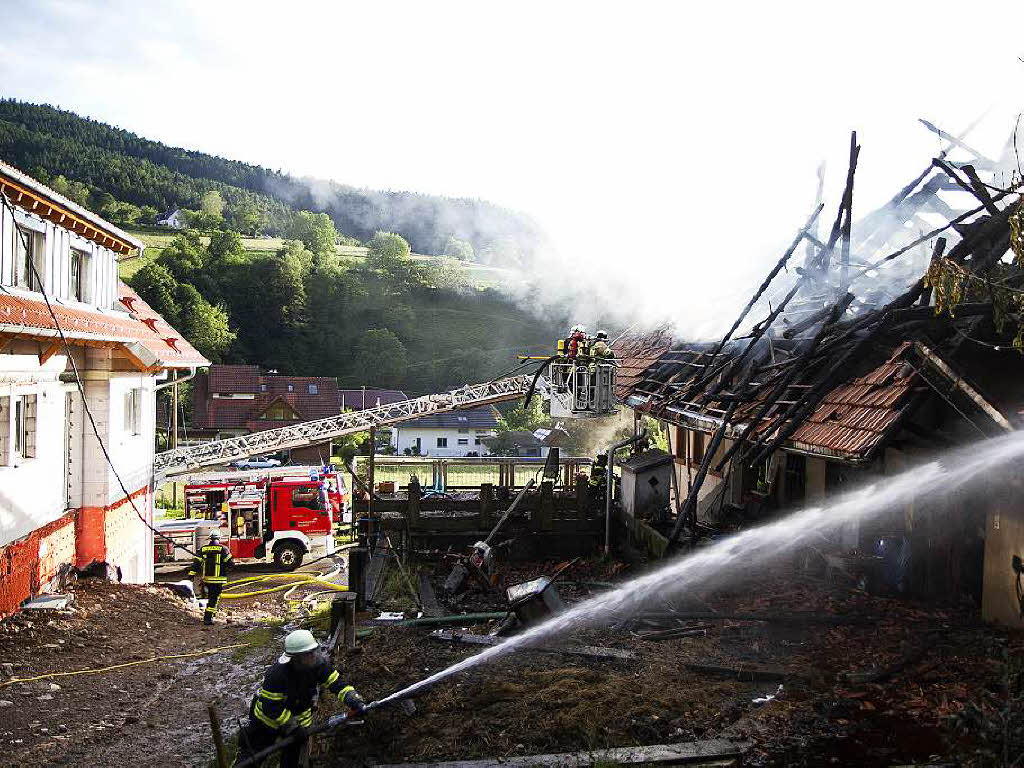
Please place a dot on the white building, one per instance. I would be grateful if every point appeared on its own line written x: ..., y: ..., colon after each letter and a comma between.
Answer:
x: 60, y: 501
x: 456, y: 433
x: 174, y: 219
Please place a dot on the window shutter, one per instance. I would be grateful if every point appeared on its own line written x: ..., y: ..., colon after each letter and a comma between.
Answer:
x: 30, y: 426
x: 5, y: 431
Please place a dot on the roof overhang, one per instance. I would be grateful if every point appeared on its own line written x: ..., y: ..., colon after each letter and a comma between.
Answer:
x: 31, y: 196
x: 137, y: 353
x: 702, y: 422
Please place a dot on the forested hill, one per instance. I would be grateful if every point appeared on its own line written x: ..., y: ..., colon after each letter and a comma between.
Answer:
x: 46, y: 141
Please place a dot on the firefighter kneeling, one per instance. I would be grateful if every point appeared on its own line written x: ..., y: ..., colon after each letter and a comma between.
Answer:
x: 284, y: 705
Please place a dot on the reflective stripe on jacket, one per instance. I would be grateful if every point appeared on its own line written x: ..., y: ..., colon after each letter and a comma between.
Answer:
x: 212, y: 564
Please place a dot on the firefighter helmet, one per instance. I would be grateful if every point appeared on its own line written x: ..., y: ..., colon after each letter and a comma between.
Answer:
x: 214, y: 536
x: 602, y: 334
x: 299, y: 641
x: 578, y: 329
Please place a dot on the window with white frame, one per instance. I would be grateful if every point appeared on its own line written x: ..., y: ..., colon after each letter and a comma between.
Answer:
x: 442, y: 442
x: 28, y: 250
x: 133, y: 411
x: 22, y: 442
x: 77, y: 275
x: 313, y: 389
x: 463, y: 441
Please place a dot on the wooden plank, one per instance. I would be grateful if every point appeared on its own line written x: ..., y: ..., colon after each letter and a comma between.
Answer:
x: 592, y: 651
x: 374, y: 571
x: 688, y: 752
x: 427, y: 597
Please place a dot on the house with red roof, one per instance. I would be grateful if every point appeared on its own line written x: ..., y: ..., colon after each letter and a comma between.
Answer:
x: 81, y: 359
x: 233, y: 400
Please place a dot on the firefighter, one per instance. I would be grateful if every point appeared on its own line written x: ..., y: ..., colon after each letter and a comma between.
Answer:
x: 211, y: 566
x: 575, y: 345
x: 284, y: 705
x: 600, y: 349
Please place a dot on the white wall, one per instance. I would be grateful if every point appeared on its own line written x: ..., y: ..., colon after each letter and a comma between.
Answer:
x: 32, y: 492
x: 100, y: 273
x: 405, y: 437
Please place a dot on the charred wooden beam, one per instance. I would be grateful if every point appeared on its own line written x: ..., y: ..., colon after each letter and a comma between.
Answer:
x: 760, y: 292
x: 772, y: 399
x: 689, y: 509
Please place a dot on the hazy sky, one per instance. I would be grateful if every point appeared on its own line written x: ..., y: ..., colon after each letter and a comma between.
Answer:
x: 675, y: 140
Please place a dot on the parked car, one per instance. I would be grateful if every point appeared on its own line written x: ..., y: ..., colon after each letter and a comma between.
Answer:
x: 256, y: 462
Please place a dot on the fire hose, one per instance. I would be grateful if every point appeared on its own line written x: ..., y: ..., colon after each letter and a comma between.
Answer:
x: 335, y: 721
x: 304, y: 578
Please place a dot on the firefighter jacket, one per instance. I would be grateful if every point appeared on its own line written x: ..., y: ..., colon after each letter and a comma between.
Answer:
x: 601, y: 349
x: 212, y: 563
x: 288, y: 692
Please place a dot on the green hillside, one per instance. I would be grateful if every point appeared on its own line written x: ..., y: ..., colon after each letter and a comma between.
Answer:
x: 115, y: 163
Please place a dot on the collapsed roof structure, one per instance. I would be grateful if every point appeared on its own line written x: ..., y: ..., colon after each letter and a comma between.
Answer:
x: 879, y: 316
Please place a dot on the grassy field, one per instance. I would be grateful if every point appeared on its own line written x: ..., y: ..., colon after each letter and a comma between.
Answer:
x: 155, y: 242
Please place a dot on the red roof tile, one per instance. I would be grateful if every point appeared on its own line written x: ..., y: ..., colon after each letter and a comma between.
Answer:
x: 109, y: 325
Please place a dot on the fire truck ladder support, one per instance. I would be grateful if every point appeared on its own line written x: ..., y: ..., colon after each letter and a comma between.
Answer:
x: 193, y: 457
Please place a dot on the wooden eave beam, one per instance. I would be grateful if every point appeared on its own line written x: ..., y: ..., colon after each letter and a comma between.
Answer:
x: 59, y: 215
x: 49, y: 352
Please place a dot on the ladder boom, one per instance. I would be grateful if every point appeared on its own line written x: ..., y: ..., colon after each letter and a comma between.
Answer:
x: 192, y: 457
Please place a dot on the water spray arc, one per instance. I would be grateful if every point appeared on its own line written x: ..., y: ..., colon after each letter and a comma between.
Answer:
x: 735, y: 556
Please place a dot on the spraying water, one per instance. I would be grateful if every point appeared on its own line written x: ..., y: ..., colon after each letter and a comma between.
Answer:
x: 755, y: 547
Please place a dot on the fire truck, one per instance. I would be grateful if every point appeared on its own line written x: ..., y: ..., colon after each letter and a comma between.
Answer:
x: 281, y: 514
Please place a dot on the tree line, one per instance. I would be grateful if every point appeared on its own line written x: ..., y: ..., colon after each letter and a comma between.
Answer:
x: 149, y: 175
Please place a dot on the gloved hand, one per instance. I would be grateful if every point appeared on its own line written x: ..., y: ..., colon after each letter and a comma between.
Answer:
x: 292, y: 728
x: 355, y: 702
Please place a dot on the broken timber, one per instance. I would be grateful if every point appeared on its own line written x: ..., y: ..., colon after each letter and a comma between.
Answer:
x: 592, y: 651
x: 676, y: 754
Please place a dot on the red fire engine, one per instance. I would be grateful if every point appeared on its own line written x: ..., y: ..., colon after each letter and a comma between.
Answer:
x: 283, y: 513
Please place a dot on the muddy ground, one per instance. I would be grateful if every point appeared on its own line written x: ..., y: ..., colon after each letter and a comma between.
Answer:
x: 893, y: 683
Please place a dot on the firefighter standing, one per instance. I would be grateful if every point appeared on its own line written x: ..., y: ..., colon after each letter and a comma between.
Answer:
x: 211, y: 565
x: 600, y: 348
x: 284, y: 705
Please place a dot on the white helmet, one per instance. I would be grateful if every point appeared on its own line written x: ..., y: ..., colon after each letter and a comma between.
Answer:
x: 299, y: 641
x: 214, y: 536
x: 578, y: 329
x: 602, y: 334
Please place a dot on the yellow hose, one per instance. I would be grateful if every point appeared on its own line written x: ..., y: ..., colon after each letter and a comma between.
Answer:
x: 14, y: 680
x: 305, y: 578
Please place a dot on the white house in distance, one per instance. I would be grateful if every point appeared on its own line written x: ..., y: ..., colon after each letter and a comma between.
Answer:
x: 60, y: 501
x: 173, y: 219
x: 454, y: 433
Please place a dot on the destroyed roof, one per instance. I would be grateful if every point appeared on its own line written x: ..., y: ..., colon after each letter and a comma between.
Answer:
x: 484, y: 417
x: 849, y: 343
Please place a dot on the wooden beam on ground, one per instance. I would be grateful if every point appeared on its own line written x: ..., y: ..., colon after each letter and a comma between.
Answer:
x: 592, y: 651
x: 427, y: 597
x: 678, y: 754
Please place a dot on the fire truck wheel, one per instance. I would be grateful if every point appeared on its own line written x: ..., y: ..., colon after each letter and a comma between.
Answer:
x: 288, y: 555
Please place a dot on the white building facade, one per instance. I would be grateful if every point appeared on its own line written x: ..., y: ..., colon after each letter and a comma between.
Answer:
x: 457, y: 433
x: 61, y: 502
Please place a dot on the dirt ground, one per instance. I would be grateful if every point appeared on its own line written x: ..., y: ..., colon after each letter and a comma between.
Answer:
x: 881, y: 682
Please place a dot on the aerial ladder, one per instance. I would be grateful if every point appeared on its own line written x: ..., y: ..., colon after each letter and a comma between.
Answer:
x: 576, y: 395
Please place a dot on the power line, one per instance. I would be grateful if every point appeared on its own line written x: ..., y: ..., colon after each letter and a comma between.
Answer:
x: 78, y: 379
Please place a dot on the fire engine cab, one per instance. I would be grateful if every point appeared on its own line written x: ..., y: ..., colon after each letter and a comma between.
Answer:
x: 281, y: 514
